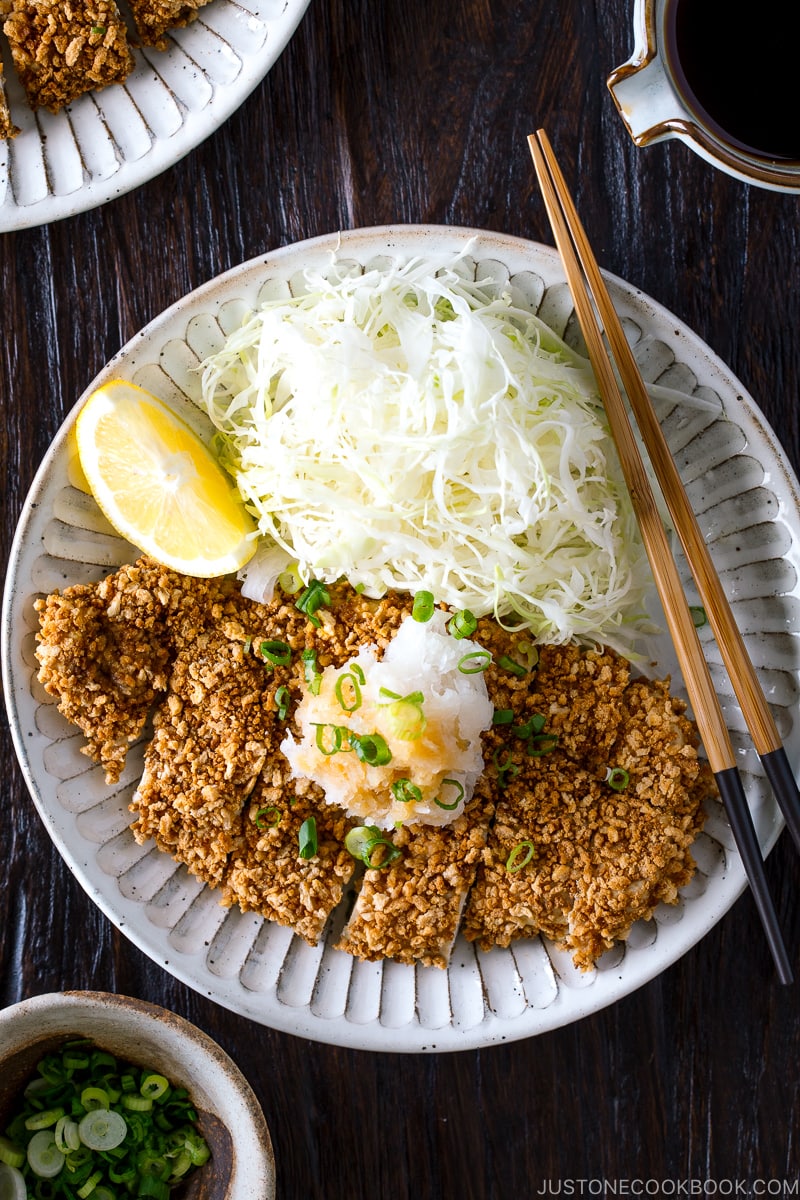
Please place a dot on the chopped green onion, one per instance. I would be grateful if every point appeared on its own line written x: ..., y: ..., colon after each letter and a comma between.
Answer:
x: 265, y: 818
x: 372, y: 749
x: 532, y: 727
x: 94, y: 1097
x: 10, y: 1153
x: 449, y: 807
x: 474, y: 662
x: 282, y: 701
x: 404, y: 791
x: 520, y: 856
x: 357, y: 671
x: 88, y: 1188
x: 95, y: 1152
x: 529, y: 652
x: 44, y: 1119
x: 423, y: 607
x: 405, y: 712
x: 542, y: 743
x: 248, y: 642
x: 362, y: 841
x: 153, y: 1188
x: 289, y: 581
x: 75, y: 1060
x: 699, y: 615
x: 278, y: 654
x: 12, y: 1183
x: 44, y: 1157
x: 311, y: 671
x: 103, y: 1129
x: 67, y: 1135
x: 307, y: 838
x: 617, y: 778
x: 98, y: 29
x: 507, y: 767
x: 352, y: 702
x: 462, y: 624
x: 337, y: 735
x: 515, y: 668
x: 311, y: 601
x: 503, y: 716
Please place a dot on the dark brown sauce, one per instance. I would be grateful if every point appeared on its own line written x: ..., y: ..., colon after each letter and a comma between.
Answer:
x: 738, y: 69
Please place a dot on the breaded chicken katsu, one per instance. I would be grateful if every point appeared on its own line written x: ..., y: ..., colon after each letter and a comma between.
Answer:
x: 7, y: 127
x: 62, y: 49
x: 578, y: 824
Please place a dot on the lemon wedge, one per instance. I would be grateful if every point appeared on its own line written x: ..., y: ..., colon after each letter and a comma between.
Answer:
x: 159, y: 485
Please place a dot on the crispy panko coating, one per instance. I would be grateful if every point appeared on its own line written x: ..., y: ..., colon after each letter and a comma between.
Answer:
x: 155, y: 18
x: 600, y: 858
x: 411, y: 910
x: 218, y: 795
x: 7, y: 127
x: 265, y: 873
x: 63, y: 48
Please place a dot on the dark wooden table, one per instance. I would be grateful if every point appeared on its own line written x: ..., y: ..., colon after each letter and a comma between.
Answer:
x: 385, y: 111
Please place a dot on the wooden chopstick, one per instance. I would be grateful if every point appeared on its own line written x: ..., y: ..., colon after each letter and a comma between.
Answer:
x: 742, y: 674
x: 576, y: 253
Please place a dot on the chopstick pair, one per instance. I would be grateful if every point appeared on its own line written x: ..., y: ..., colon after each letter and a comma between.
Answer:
x: 591, y: 300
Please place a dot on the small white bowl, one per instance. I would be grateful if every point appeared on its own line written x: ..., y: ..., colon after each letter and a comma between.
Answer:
x: 242, y: 1165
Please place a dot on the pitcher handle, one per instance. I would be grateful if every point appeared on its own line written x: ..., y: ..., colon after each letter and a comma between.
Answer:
x: 647, y: 101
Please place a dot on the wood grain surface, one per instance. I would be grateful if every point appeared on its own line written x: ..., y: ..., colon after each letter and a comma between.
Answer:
x: 384, y: 111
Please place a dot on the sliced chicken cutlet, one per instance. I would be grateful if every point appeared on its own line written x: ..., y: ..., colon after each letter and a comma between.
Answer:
x: 580, y: 857
x: 7, y: 127
x: 104, y: 652
x: 64, y: 48
x: 410, y: 911
x: 267, y: 873
x: 155, y: 18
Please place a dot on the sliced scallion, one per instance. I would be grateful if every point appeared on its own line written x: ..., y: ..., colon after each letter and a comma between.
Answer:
x: 532, y: 727
x: 44, y: 1119
x: 503, y: 716
x: 520, y: 856
x: 462, y: 624
x: 44, y: 1157
x: 12, y: 1183
x: 277, y: 654
x: 265, y: 818
x: 617, y: 778
x: 505, y: 768
x: 311, y: 671
x: 315, y: 596
x: 282, y: 700
x: 407, y: 719
x: 422, y: 609
x: 515, y: 668
x: 474, y: 662
x: 307, y: 838
x: 348, y: 692
x: 542, y: 743
x: 364, y: 841
x: 404, y: 791
x: 10, y: 1153
x: 459, y: 795
x: 331, y: 743
x: 372, y: 749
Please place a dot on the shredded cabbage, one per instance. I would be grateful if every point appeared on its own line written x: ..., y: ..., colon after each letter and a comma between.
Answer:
x: 406, y: 427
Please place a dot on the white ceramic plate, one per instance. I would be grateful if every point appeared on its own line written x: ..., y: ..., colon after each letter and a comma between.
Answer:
x: 111, y: 141
x: 748, y: 503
